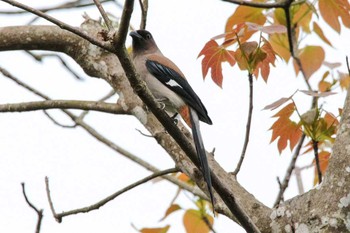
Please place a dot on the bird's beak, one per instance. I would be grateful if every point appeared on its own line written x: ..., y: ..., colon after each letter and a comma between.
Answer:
x: 134, y: 34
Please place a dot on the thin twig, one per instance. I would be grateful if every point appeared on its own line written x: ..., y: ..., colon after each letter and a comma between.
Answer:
x: 347, y: 64
x: 317, y: 160
x: 104, y: 201
x: 38, y: 212
x: 57, y: 123
x: 297, y: 172
x: 248, y: 125
x: 144, y: 11
x: 39, y: 58
x: 64, y: 6
x: 104, y: 15
x: 286, y: 179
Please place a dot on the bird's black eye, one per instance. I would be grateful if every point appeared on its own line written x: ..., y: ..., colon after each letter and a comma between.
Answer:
x: 148, y: 36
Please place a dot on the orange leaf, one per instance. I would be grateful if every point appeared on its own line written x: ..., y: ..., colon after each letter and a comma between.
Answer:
x: 311, y: 58
x: 302, y: 15
x: 332, y: 10
x: 264, y: 64
x: 245, y: 14
x: 284, y: 129
x: 324, y: 86
x: 172, y: 208
x: 319, y: 32
x: 155, y: 230
x: 183, y: 177
x: 245, y: 54
x: 323, y: 158
x: 193, y: 221
x: 344, y: 80
x: 214, y: 55
x: 279, y: 43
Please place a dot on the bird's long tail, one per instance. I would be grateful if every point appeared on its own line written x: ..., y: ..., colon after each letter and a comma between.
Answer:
x: 198, y: 141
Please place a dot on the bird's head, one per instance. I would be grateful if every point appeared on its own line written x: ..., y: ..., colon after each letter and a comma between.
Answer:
x: 143, y: 42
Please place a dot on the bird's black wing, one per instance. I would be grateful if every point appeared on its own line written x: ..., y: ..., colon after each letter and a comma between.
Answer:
x: 178, y: 84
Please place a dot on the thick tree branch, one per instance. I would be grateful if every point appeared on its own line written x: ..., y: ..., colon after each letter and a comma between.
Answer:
x: 63, y: 104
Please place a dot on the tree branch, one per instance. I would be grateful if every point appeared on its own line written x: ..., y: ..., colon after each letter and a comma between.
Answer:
x: 38, y: 212
x: 249, y: 121
x: 289, y: 172
x: 97, y: 205
x: 63, y: 104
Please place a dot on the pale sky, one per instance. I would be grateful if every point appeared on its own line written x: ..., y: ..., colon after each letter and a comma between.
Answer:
x: 82, y: 171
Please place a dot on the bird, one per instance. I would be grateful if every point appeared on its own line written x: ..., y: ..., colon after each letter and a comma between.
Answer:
x: 169, y: 87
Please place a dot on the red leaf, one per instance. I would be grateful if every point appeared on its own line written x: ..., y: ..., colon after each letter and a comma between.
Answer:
x: 214, y: 56
x: 264, y: 65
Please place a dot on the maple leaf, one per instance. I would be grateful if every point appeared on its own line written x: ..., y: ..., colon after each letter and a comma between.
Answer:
x: 285, y: 129
x: 245, y: 55
x: 311, y: 58
x: 214, y: 56
x: 331, y: 11
x: 193, y: 221
x: 263, y: 65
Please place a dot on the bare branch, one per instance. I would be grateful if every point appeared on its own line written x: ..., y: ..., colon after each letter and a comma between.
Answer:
x: 104, y: 201
x: 63, y: 104
x: 120, y: 37
x: 57, y: 123
x: 104, y: 15
x: 144, y: 11
x: 38, y: 212
x: 40, y: 57
x: 249, y: 121
x: 286, y: 179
